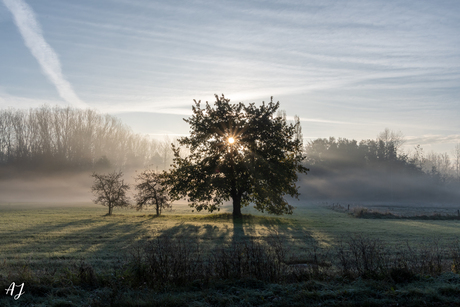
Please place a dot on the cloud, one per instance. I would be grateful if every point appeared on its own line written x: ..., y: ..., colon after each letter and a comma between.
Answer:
x: 319, y: 120
x: 47, y: 58
x: 11, y: 101
x: 432, y: 139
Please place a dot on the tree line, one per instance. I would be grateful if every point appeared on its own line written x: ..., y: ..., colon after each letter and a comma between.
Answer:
x: 54, y: 138
x: 444, y: 167
x: 379, y: 170
x: 332, y: 155
x: 239, y: 152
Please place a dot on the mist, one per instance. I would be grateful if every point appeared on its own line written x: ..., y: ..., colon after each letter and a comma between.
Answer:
x: 48, y: 155
x: 63, y: 187
x: 49, y: 188
x: 53, y: 140
x: 377, y: 171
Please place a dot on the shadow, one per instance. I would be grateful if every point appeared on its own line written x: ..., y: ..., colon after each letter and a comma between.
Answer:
x: 95, y: 240
x: 207, y: 235
x: 103, y: 240
x: 297, y: 239
x: 238, y: 231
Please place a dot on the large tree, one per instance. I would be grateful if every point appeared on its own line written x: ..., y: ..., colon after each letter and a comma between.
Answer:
x: 245, y: 153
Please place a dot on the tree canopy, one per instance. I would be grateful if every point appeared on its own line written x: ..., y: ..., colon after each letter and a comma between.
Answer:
x: 245, y: 153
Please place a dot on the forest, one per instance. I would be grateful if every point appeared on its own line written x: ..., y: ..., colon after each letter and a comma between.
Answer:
x: 379, y: 170
x: 53, y: 139
x: 48, y: 139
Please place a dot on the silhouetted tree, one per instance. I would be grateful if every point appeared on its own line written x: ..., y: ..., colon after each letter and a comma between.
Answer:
x: 456, y: 160
x: 391, y: 139
x: 240, y: 152
x: 152, y: 191
x: 418, y: 158
x: 110, y: 190
x: 298, y: 129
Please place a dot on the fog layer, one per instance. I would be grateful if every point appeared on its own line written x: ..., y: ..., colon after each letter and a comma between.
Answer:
x: 376, y: 170
x: 48, y: 154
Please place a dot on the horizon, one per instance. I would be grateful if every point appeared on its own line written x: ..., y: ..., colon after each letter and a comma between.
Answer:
x: 347, y: 70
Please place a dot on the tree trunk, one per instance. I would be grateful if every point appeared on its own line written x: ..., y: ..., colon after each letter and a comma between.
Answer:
x: 158, y: 210
x: 110, y: 209
x: 237, y: 206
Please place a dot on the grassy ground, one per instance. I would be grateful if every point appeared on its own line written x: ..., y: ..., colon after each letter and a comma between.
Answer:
x: 442, y: 291
x: 42, y: 232
x: 38, y: 233
x: 55, y: 236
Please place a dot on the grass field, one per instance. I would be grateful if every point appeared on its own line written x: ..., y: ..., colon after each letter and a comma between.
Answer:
x: 43, y: 232
x: 45, y: 236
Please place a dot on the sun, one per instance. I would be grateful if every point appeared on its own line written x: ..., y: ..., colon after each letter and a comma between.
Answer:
x: 231, y: 140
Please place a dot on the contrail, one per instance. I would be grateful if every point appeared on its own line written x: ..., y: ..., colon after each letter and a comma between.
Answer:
x: 48, y: 59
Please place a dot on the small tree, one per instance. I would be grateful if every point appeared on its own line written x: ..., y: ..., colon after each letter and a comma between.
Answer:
x: 151, y: 191
x: 110, y: 190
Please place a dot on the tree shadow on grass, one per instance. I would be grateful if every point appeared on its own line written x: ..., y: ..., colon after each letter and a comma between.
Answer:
x: 296, y: 239
x: 207, y: 235
x: 102, y: 240
x: 83, y: 239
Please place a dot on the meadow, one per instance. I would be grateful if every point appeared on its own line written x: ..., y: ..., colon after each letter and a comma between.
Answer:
x: 58, y: 239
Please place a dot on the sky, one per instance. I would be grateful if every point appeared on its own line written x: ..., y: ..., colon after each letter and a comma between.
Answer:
x: 346, y: 68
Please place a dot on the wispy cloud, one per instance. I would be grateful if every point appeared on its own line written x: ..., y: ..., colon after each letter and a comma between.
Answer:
x: 11, y: 101
x: 319, y: 120
x: 432, y: 139
x: 47, y: 58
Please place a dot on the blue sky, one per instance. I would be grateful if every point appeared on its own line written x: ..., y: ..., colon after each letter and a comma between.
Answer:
x: 347, y: 68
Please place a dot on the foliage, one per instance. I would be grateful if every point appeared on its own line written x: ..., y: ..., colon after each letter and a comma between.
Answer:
x: 383, y: 153
x: 110, y: 190
x: 240, y: 152
x: 376, y: 170
x: 151, y: 192
x: 342, y: 153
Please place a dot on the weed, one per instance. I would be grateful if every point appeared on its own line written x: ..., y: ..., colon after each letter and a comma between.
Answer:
x: 455, y: 255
